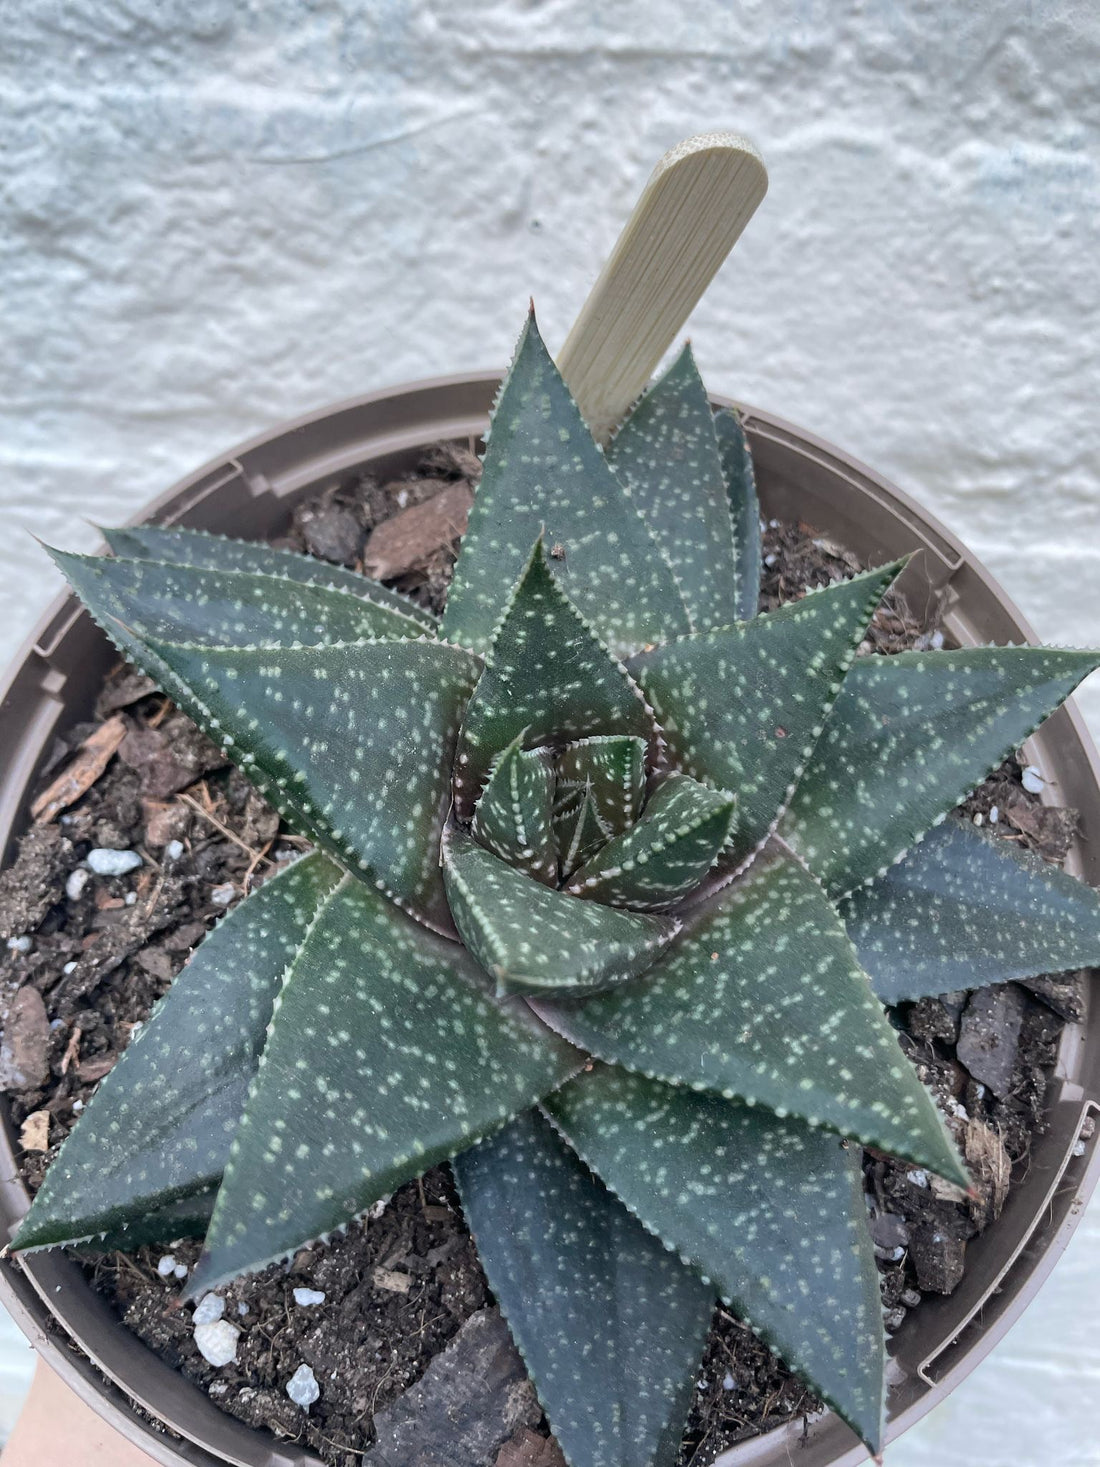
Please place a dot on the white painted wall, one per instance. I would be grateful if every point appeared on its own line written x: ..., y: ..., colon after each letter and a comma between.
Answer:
x: 218, y: 213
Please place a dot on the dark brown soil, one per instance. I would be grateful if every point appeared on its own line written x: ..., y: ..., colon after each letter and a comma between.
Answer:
x: 83, y: 969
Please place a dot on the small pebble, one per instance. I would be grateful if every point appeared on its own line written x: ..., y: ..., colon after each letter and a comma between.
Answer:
x: 978, y: 818
x: 994, y: 814
x: 69, y: 967
x: 75, y: 883
x: 769, y: 560
x: 918, y: 1176
x: 180, y: 1270
x: 242, y: 1307
x: 890, y: 1255
x: 130, y: 898
x: 222, y: 895
x: 19, y: 944
x: 78, y: 1106
x: 217, y: 1341
x: 1079, y: 1148
x: 302, y: 1387
x: 166, y: 1265
x: 895, y: 1319
x: 173, y: 850
x: 728, y: 1382
x: 209, y: 1308
x: 911, y: 1298
x: 936, y: 641
x: 308, y: 1297
x: 1032, y: 780
x: 105, y: 862
x: 376, y: 1209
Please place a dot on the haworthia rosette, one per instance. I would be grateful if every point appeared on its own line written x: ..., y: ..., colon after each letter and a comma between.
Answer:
x: 385, y: 1056
x: 610, y: 1324
x: 157, y: 1130
x: 613, y: 766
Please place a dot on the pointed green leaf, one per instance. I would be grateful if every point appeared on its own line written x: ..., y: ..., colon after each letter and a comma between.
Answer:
x: 385, y: 1057
x: 667, y: 453
x: 177, y: 546
x: 762, y: 998
x: 769, y: 1210
x: 742, y: 708
x: 963, y: 910
x: 613, y: 768
x: 909, y: 737
x: 544, y: 475
x: 580, y: 831
x: 514, y: 814
x: 611, y: 1326
x: 182, y: 603
x: 352, y: 743
x: 532, y: 939
x: 666, y: 854
x: 187, y: 1217
x: 737, y: 467
x: 548, y: 677
x: 157, y: 1130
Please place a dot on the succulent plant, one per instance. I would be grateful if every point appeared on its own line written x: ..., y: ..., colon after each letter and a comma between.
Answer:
x: 612, y: 880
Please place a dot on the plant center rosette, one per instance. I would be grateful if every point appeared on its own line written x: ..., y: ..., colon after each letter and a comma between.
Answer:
x: 613, y: 878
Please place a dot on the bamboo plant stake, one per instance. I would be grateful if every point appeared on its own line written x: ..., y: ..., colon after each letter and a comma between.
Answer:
x: 690, y: 215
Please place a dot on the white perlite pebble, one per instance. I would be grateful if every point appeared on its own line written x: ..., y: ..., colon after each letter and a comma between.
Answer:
x: 105, y: 862
x: 217, y: 1341
x: 302, y: 1387
x: 166, y: 1265
x: 209, y: 1308
x: 727, y: 1382
x: 173, y: 850
x: 1032, y: 780
x: 222, y: 895
x: 308, y: 1297
x: 75, y: 883
x: 19, y: 944
x: 918, y: 1176
x: 180, y: 1270
x: 994, y: 814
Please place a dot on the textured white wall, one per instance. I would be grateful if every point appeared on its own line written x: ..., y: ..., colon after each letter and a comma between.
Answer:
x: 218, y: 213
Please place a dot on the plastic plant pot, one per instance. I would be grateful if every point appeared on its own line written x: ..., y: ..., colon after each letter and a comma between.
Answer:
x: 249, y: 493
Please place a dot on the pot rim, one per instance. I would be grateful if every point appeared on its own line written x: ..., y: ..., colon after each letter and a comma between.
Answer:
x: 111, y: 1369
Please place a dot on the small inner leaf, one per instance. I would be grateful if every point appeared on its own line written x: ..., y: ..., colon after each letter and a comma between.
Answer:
x: 963, y: 910
x: 534, y: 940
x: 580, y: 831
x: 157, y: 1131
x: 667, y: 452
x: 513, y: 818
x: 909, y: 737
x: 770, y: 1210
x: 547, y: 677
x: 610, y: 1324
x: 614, y: 769
x: 666, y: 854
x: 385, y: 1057
x: 544, y: 475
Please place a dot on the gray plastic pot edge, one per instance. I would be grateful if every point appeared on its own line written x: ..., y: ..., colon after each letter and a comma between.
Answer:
x: 249, y: 492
